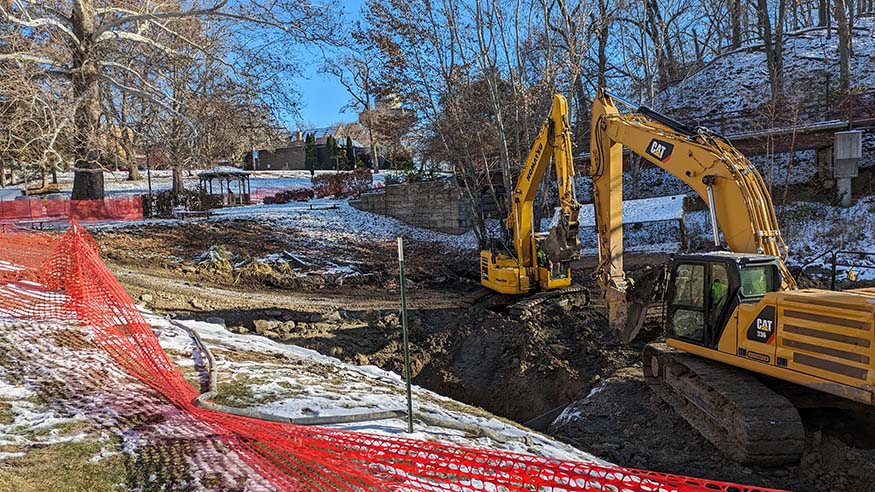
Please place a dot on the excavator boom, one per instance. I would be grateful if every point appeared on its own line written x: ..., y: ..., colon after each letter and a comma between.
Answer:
x: 737, y: 197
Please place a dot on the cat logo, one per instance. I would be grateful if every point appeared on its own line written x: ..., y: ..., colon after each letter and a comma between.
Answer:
x: 661, y: 150
x: 762, y: 329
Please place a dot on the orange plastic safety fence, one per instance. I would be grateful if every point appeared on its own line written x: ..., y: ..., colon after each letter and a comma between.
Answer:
x: 62, y: 277
x: 122, y: 208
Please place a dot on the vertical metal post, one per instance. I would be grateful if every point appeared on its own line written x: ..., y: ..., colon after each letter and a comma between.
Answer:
x: 404, y: 333
x: 713, y: 216
x: 149, y: 173
x: 832, y: 282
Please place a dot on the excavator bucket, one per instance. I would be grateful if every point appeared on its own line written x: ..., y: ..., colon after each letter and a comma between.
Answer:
x: 563, y: 238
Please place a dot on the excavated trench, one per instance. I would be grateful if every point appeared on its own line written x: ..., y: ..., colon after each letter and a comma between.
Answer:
x: 515, y: 369
x: 520, y: 370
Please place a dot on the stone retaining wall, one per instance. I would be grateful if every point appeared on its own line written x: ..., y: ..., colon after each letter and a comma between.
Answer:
x: 436, y: 205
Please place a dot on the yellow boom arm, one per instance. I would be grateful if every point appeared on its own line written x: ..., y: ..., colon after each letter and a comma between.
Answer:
x: 553, y: 141
x: 734, y: 190
x: 539, y: 260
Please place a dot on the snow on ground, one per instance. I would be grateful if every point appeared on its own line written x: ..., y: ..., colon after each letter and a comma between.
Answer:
x: 57, y: 386
x: 645, y: 210
x: 116, y: 183
x: 322, y: 220
x: 292, y: 381
x: 739, y: 81
x: 813, y: 230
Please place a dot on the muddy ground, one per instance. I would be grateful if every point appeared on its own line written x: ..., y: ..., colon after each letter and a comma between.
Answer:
x: 341, y: 300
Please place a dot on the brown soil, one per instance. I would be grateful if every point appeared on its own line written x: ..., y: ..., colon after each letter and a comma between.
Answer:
x: 627, y: 424
x: 461, y: 345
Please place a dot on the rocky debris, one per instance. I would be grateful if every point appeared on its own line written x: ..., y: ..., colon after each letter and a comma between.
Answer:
x: 147, y: 298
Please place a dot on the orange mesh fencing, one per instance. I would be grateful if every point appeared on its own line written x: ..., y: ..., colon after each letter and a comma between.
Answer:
x: 122, y: 208
x: 62, y: 277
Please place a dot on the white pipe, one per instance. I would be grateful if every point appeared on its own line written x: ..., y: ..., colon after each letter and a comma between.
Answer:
x: 713, y: 216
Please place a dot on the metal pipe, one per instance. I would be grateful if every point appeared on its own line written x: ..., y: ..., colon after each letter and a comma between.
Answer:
x: 713, y: 216
x: 623, y: 100
x: 404, y: 334
x: 213, y: 392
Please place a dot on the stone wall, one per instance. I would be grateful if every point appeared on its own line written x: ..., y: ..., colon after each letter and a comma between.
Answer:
x: 436, y: 205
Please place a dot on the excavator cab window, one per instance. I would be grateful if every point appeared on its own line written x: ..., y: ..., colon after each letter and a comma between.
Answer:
x: 757, y: 280
x: 687, y: 310
x: 702, y: 296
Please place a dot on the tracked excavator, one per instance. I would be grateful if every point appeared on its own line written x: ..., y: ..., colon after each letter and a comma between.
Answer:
x: 729, y: 315
x: 535, y: 267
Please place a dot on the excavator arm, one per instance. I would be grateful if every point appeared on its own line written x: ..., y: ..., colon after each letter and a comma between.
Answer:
x: 553, y: 141
x: 737, y: 197
x: 539, y: 260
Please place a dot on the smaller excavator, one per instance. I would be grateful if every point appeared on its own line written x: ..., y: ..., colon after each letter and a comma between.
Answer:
x: 539, y: 263
x: 728, y: 314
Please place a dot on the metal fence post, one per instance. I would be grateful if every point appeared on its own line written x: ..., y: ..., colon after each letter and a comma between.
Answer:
x: 404, y: 333
x: 832, y: 283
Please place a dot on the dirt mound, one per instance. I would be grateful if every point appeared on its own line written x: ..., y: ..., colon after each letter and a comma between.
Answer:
x: 622, y: 421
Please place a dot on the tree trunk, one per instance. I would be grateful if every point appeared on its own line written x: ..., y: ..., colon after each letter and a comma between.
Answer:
x: 131, y: 158
x: 134, y: 172
x: 88, y: 178
x: 772, y: 39
x: 603, y: 33
x: 2, y: 175
x: 822, y: 13
x: 735, y: 15
x: 178, y: 182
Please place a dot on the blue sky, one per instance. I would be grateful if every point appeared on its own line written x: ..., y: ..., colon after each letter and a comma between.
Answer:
x: 322, y: 96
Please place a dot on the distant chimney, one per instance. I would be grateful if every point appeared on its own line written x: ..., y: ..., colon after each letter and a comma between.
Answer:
x: 300, y: 136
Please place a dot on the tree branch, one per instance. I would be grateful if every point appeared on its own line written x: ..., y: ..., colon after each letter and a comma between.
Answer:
x: 37, y: 23
x: 28, y: 58
x: 137, y: 38
x: 153, y: 16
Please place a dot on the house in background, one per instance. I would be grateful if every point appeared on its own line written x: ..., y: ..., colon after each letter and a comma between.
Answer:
x: 293, y: 156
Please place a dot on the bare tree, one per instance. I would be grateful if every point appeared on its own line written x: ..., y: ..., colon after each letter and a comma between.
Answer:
x: 87, y: 44
x: 844, y: 10
x: 772, y: 34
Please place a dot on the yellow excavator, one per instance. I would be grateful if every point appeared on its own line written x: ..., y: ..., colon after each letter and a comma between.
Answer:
x: 539, y: 262
x: 733, y: 313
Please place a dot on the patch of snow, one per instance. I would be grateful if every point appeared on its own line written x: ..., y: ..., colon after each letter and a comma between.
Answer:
x: 298, y: 382
x: 639, y: 211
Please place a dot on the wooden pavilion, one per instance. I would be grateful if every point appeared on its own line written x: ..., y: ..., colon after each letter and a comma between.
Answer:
x: 229, y: 182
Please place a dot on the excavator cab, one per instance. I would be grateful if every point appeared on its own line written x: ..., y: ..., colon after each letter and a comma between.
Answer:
x: 705, y: 290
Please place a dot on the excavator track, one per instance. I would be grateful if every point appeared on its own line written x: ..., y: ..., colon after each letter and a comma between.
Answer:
x: 729, y: 407
x: 565, y: 298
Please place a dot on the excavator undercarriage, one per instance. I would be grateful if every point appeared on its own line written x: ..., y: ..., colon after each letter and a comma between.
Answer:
x: 730, y: 407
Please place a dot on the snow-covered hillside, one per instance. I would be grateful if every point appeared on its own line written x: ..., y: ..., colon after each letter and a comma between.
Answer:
x: 739, y: 81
